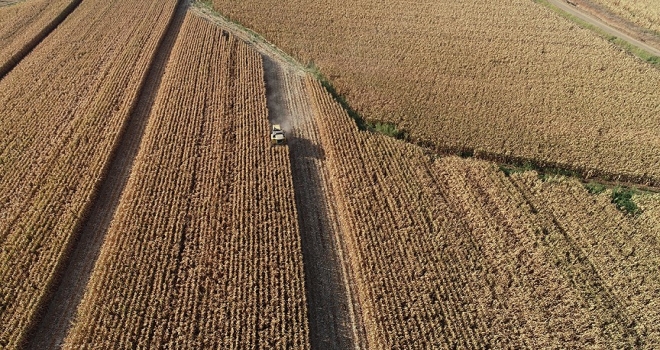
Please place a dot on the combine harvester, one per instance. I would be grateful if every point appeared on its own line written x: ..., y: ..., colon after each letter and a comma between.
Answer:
x: 277, y: 135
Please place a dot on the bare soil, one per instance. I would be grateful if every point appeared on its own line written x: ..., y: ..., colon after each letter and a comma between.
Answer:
x: 59, y: 311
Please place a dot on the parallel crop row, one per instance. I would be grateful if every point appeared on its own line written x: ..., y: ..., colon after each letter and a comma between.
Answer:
x: 622, y: 251
x: 506, y: 81
x: 23, y: 25
x: 204, y: 251
x: 61, y: 111
x: 450, y: 253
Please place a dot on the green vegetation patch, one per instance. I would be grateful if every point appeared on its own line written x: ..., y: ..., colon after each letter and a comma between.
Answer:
x: 595, y: 187
x: 623, y: 199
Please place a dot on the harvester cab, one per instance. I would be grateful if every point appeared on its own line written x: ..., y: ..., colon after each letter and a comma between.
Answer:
x: 277, y: 135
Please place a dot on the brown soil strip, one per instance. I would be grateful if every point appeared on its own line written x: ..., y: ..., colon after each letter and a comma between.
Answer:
x: 331, y: 313
x: 68, y: 290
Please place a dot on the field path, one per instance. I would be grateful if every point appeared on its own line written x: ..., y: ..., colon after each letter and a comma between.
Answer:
x: 333, y: 311
x: 604, y: 26
x: 51, y: 329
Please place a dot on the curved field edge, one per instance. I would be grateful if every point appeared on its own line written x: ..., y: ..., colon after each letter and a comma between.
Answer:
x: 506, y: 102
x: 565, y: 293
x: 450, y: 251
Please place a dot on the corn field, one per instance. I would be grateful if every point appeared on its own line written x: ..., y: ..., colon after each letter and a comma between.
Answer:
x: 204, y: 251
x: 645, y: 13
x: 61, y: 110
x: 450, y: 252
x: 24, y: 24
x: 214, y: 238
x: 505, y: 81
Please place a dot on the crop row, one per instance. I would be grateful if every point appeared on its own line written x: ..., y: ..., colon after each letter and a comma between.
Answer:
x: 507, y: 82
x: 23, y: 25
x: 450, y: 252
x: 624, y: 251
x: 61, y: 111
x: 204, y: 251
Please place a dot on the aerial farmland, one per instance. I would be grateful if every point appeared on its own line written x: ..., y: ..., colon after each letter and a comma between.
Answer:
x: 329, y: 175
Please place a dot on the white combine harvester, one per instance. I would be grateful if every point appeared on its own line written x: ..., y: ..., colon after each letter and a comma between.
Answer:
x: 277, y: 135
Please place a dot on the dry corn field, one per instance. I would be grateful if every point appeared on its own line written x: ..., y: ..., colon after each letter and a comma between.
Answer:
x: 204, y: 251
x: 143, y: 206
x: 25, y: 24
x: 645, y: 13
x: 506, y: 80
x: 62, y: 108
x: 450, y: 252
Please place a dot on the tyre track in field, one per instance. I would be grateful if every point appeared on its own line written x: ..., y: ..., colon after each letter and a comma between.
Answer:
x: 333, y: 310
x: 30, y: 45
x: 73, y: 274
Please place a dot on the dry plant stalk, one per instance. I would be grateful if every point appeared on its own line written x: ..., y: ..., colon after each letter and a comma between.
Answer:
x: 61, y: 111
x: 450, y: 252
x: 204, y: 251
x: 508, y: 81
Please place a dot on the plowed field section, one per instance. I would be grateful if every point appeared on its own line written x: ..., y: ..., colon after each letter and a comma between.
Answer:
x: 204, y: 251
x: 62, y: 111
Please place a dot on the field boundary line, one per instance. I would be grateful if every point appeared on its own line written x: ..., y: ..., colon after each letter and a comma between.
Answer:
x: 637, y: 47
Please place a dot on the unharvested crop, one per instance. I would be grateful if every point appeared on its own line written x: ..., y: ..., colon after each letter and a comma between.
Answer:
x: 204, y: 251
x: 507, y: 81
x: 450, y: 252
x: 24, y: 24
x: 61, y: 111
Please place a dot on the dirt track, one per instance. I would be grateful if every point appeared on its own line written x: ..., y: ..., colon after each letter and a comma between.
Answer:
x: 599, y: 20
x: 333, y: 311
x: 59, y: 312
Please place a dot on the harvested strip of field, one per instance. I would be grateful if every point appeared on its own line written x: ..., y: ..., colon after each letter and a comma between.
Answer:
x: 25, y: 24
x: 204, y: 251
x: 450, y: 252
x: 333, y: 310
x: 62, y: 110
x: 57, y: 317
x: 506, y: 81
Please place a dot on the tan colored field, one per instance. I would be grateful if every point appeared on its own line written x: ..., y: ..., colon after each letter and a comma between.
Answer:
x: 134, y: 149
x: 451, y: 252
x: 61, y: 111
x: 24, y: 24
x: 645, y: 13
x: 507, y: 81
x: 204, y: 251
